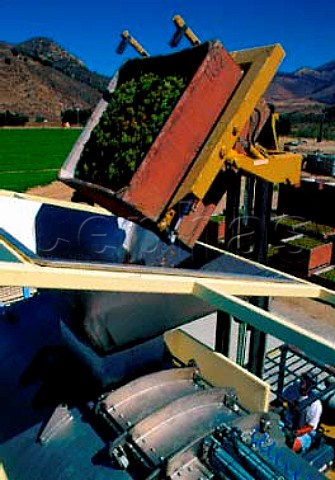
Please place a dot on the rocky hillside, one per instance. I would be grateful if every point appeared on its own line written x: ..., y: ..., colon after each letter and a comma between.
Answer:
x: 40, y: 79
x: 305, y: 90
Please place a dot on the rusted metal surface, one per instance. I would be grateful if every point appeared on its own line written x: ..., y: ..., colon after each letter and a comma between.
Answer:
x: 193, y: 224
x: 173, y: 427
x: 254, y: 127
x: 131, y: 403
x: 162, y: 171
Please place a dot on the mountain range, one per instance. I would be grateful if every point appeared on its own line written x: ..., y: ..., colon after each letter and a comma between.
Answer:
x: 39, y: 78
x: 305, y: 90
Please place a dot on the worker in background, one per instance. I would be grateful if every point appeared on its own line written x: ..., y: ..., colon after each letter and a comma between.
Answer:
x: 291, y: 396
x: 306, y: 418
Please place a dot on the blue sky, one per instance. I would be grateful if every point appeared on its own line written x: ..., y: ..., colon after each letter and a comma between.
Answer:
x: 91, y: 30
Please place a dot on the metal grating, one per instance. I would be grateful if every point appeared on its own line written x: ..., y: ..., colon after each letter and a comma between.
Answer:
x: 285, y: 364
x: 13, y: 294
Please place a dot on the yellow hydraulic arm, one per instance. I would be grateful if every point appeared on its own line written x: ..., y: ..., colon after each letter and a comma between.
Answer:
x: 259, y: 66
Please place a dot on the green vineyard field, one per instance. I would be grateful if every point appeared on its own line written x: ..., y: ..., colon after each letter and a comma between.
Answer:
x: 32, y: 157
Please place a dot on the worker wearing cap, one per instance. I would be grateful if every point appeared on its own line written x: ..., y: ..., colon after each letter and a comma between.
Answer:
x: 307, y: 418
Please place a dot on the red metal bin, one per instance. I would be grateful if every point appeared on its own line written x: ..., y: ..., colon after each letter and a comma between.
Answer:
x: 164, y: 169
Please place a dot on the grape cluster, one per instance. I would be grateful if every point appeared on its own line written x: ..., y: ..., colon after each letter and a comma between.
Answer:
x: 134, y: 117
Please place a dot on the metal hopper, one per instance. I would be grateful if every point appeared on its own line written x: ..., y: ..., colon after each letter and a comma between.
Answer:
x: 155, y: 194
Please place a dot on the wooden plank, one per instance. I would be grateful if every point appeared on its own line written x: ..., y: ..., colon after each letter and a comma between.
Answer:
x: 105, y: 278
x: 219, y: 370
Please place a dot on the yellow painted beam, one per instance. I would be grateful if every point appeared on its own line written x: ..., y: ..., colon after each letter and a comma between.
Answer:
x: 134, y: 43
x: 272, y: 272
x: 327, y: 296
x: 3, y: 475
x: 220, y: 371
x: 262, y: 65
x: 275, y: 168
x: 89, y: 277
x: 55, y: 202
x: 279, y: 327
x: 268, y: 288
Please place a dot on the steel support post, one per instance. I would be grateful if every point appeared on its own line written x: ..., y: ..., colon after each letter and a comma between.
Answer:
x: 257, y: 347
x: 282, y: 365
x: 241, y: 343
x: 248, y: 200
x: 282, y: 198
x: 232, y: 210
x: 224, y: 320
x: 223, y: 332
x: 262, y: 211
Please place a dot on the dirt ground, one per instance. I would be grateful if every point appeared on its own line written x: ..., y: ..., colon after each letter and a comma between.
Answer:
x: 315, y: 316
x: 309, y: 145
x: 56, y: 190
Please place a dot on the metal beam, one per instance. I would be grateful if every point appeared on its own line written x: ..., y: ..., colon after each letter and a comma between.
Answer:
x: 246, y: 287
x: 274, y: 168
x: 223, y: 332
x: 232, y: 210
x: 65, y: 278
x: 55, y: 202
x: 258, y: 340
x: 262, y: 211
x: 263, y: 63
x: 275, y: 325
x: 107, y: 278
x: 327, y: 296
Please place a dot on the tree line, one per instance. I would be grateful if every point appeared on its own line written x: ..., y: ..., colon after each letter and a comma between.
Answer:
x: 73, y: 116
x: 310, y: 125
x: 297, y: 124
x: 8, y: 118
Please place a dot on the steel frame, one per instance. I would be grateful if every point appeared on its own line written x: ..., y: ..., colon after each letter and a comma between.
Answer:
x: 219, y: 291
x: 128, y: 405
x: 165, y: 431
x: 71, y: 276
x: 262, y: 65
